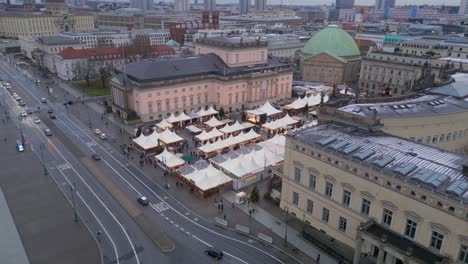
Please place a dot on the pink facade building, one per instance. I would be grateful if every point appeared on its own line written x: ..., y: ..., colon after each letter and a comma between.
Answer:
x: 233, y: 73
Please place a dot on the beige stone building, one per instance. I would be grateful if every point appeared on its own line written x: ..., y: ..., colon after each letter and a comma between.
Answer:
x: 390, y: 199
x: 331, y: 56
x: 439, y: 121
x: 13, y: 25
x: 393, y: 74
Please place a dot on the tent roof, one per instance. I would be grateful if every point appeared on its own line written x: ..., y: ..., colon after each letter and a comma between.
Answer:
x: 298, y: 103
x: 147, y: 142
x: 214, y: 122
x: 208, y: 178
x: 172, y: 119
x: 169, y: 159
x: 233, y: 128
x: 211, y: 111
x: 192, y: 114
x: 202, y: 112
x: 164, y: 124
x: 169, y: 137
x: 268, y: 109
x: 193, y: 129
x: 183, y: 117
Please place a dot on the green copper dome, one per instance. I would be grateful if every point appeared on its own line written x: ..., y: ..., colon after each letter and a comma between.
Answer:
x: 333, y: 40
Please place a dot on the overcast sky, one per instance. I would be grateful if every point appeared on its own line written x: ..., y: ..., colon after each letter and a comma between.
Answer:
x: 363, y: 2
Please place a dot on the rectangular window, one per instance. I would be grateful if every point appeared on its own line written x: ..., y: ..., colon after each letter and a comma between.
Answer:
x: 297, y: 175
x: 449, y: 136
x: 410, y: 230
x: 428, y: 139
x: 442, y: 138
x: 206, y: 98
x: 346, y: 198
x: 387, y: 217
x: 295, y: 200
x: 310, y: 206
x: 365, y: 207
x: 342, y: 224
x: 312, y: 181
x: 328, y: 189
x: 463, y: 256
x: 325, y: 214
x: 436, y: 240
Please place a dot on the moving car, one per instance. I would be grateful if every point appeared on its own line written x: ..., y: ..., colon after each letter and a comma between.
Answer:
x: 97, y: 131
x: 19, y: 146
x: 143, y: 200
x: 50, y: 111
x: 24, y: 114
x: 37, y: 120
x: 95, y: 157
x: 29, y: 111
x: 213, y: 252
x: 103, y: 136
x: 43, y: 100
x: 52, y: 116
x: 48, y: 132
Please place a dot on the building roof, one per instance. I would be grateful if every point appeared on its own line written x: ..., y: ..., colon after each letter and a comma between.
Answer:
x: 56, y: 40
x: 458, y: 88
x: 428, y: 105
x: 429, y: 167
x: 333, y: 40
x: 153, y: 70
x: 232, y: 42
x: 71, y: 53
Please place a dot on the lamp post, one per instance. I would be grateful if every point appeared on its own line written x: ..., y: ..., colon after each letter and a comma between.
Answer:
x: 73, y: 191
x: 286, y: 229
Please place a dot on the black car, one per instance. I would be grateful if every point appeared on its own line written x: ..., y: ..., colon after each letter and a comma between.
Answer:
x: 215, y: 253
x: 52, y: 116
x: 68, y: 103
x: 143, y: 200
x: 50, y: 111
x: 29, y: 111
x: 95, y: 157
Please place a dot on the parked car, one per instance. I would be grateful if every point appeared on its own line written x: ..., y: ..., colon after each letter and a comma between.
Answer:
x: 52, y: 116
x: 103, y: 136
x: 24, y: 114
x: 22, y: 103
x: 143, y: 200
x: 97, y: 131
x: 95, y: 157
x: 48, y: 132
x: 37, y: 120
x: 43, y: 100
x: 50, y: 111
x: 29, y: 111
x: 213, y: 252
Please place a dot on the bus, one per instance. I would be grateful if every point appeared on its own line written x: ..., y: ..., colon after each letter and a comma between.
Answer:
x: 19, y: 146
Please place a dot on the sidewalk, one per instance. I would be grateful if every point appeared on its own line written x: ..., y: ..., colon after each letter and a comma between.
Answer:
x: 278, y: 227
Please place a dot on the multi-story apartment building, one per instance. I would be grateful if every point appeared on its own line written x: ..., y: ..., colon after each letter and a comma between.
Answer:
x: 233, y: 73
x: 155, y: 37
x: 100, y: 39
x: 15, y: 24
x: 434, y: 120
x: 390, y: 199
x: 386, y: 73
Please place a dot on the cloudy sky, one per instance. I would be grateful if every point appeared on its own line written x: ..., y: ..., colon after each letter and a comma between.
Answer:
x: 363, y: 2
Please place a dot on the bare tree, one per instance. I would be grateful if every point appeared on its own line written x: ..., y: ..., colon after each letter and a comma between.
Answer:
x: 85, y: 69
x: 104, y: 73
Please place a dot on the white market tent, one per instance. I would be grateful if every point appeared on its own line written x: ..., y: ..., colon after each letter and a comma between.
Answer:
x: 211, y: 111
x: 275, y: 144
x: 266, y: 108
x: 280, y: 123
x: 192, y: 114
x: 314, y: 100
x: 207, y: 178
x: 147, y: 142
x: 299, y: 103
x: 172, y: 119
x: 183, y: 117
x: 201, y: 113
x: 168, y: 137
x: 214, y: 122
x: 220, y: 144
x: 164, y: 124
x: 169, y: 159
x: 194, y: 129
x: 227, y: 129
x: 204, y: 136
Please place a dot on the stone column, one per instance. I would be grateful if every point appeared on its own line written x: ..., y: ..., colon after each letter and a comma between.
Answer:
x: 380, y: 257
x: 357, y: 248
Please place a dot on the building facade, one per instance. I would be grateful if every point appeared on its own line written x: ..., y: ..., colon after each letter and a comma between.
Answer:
x: 244, y: 6
x: 182, y: 6
x: 144, y: 5
x: 226, y: 73
x: 331, y: 56
x: 209, y: 5
x: 364, y: 190
x: 261, y: 5
x: 391, y: 74
x: 100, y: 39
x: 344, y: 4
x: 13, y: 25
x: 384, y: 4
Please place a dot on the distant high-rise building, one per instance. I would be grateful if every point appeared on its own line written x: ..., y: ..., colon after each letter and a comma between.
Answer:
x: 260, y: 5
x: 209, y: 5
x: 463, y: 7
x: 344, y: 4
x: 182, y: 5
x: 142, y: 4
x: 384, y: 4
x: 244, y: 6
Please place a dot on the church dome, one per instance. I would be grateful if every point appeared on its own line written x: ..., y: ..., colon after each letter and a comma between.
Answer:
x: 333, y: 40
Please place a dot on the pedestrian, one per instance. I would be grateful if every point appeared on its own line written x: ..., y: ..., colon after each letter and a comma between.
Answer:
x: 219, y: 207
x: 318, y: 258
x: 232, y: 204
x: 222, y: 207
x: 177, y: 184
x: 5, y: 139
x: 250, y: 212
x: 225, y: 217
x: 216, y: 201
x: 253, y: 210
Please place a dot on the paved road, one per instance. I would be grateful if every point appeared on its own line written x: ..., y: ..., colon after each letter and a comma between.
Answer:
x: 67, y: 155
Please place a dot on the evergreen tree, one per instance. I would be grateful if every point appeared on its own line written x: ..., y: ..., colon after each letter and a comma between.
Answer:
x: 255, y: 194
x: 221, y: 112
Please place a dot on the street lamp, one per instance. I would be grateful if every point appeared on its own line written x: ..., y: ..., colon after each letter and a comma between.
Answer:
x: 73, y: 191
x: 286, y: 229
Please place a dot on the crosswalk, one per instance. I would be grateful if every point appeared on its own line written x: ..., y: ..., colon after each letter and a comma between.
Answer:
x: 160, y: 207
